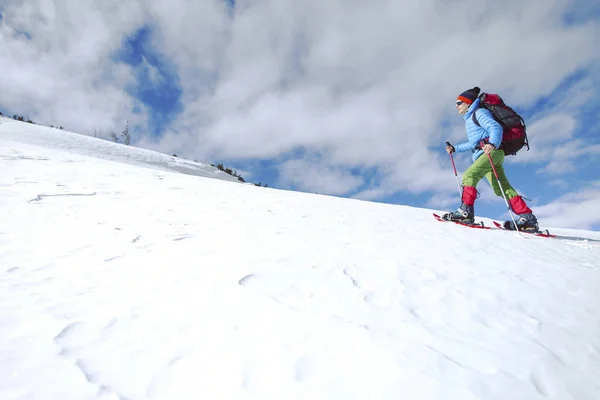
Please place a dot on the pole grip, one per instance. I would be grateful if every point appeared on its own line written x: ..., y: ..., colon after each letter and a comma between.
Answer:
x: 452, y: 158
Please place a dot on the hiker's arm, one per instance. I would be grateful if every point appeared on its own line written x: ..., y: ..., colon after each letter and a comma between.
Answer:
x: 466, y: 146
x: 488, y: 123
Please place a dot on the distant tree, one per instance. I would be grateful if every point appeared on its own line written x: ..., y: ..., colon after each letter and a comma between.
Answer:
x: 174, y: 155
x: 113, y: 137
x: 126, y: 134
x: 229, y: 171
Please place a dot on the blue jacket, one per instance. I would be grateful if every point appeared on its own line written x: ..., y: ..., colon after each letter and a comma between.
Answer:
x: 489, y: 128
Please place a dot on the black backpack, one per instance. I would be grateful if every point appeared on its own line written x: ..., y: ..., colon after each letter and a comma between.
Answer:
x: 514, y: 135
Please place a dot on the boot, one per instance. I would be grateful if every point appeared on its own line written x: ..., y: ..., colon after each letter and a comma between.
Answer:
x: 526, y: 222
x: 464, y: 214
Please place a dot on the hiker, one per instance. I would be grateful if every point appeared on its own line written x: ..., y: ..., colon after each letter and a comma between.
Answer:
x: 488, y: 130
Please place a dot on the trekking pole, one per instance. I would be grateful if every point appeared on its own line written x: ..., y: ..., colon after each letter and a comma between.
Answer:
x: 455, y: 174
x: 482, y: 143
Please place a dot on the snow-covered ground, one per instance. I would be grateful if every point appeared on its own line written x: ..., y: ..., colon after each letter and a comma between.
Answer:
x: 84, y: 145
x: 122, y: 279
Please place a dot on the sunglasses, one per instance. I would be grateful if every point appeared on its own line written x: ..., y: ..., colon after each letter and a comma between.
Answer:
x: 459, y: 102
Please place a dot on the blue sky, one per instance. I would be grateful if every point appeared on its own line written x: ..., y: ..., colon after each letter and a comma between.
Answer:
x: 161, y: 97
x: 332, y: 100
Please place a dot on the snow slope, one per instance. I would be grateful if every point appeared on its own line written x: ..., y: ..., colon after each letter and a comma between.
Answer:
x: 131, y: 281
x: 85, y: 145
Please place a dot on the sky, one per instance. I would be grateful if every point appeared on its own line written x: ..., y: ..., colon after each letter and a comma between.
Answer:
x: 348, y: 98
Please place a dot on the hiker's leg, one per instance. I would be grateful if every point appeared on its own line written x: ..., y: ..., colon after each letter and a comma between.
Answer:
x: 517, y: 204
x: 526, y: 221
x: 498, y: 159
x: 473, y: 174
x: 480, y: 168
x: 493, y: 183
x: 509, y: 191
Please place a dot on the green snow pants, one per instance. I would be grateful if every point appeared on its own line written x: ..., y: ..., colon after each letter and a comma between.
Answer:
x: 481, y: 168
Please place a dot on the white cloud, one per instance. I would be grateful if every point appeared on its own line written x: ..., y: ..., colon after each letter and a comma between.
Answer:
x: 553, y: 129
x: 64, y: 75
x: 443, y: 201
x: 314, y: 176
x: 552, y: 133
x: 558, y: 167
x: 362, y: 84
x: 579, y: 210
x: 562, y: 158
x: 371, y: 194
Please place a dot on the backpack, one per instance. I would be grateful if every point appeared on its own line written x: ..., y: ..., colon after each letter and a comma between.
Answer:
x: 514, y: 136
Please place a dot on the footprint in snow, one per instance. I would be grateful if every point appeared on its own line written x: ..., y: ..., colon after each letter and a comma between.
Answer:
x: 182, y: 237
x: 246, y: 280
x: 68, y: 331
x: 304, y: 367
